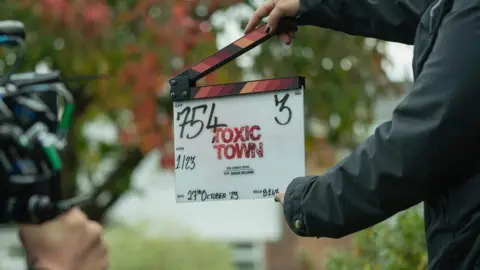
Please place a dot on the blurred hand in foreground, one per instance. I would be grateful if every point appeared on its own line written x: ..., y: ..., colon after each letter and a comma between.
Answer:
x: 70, y: 242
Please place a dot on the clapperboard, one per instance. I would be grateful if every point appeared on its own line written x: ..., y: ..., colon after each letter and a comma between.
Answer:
x: 241, y: 140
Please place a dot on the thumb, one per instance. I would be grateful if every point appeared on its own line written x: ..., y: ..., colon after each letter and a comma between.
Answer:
x: 279, y: 197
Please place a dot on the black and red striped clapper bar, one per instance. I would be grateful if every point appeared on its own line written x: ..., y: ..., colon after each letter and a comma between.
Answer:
x: 183, y: 86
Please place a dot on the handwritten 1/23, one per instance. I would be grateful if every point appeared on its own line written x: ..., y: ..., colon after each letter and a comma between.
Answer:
x: 190, y: 117
x: 185, y: 162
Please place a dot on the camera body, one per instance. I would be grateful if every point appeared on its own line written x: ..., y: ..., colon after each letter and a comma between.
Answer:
x: 29, y: 145
x: 32, y: 133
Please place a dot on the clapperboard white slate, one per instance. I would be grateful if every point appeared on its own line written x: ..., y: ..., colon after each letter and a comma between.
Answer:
x: 236, y: 141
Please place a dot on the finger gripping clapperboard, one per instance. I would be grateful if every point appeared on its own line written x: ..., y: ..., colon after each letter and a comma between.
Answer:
x: 241, y: 140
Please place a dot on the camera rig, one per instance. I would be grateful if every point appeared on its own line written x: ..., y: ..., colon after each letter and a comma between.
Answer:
x: 31, y: 137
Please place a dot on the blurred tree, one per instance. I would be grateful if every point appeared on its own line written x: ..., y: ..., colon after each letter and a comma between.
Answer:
x: 140, y: 44
x: 395, y: 244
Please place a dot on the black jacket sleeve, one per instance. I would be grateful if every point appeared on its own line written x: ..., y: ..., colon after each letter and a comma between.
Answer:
x: 391, y: 20
x: 432, y: 140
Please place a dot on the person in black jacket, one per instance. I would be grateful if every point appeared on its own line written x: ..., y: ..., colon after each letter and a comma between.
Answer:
x: 430, y: 149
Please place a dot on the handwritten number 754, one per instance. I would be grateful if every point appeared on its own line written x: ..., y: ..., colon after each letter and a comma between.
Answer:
x: 189, y: 119
x: 283, y: 107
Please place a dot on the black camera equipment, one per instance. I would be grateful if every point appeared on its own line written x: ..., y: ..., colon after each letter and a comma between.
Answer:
x: 32, y: 133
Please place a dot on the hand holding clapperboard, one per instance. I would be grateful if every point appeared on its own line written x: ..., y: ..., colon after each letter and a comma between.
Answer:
x: 241, y: 140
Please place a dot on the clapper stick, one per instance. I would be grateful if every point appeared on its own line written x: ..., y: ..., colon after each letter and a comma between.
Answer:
x: 183, y: 85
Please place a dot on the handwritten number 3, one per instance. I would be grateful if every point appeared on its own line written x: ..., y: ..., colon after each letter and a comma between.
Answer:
x: 283, y: 107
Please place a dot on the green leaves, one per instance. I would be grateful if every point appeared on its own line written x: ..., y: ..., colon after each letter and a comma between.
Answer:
x: 395, y: 244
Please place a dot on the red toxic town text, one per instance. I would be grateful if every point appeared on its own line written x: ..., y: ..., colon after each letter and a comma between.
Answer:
x: 237, y: 143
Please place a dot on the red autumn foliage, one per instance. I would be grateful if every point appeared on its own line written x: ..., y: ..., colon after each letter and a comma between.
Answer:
x: 144, y: 72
